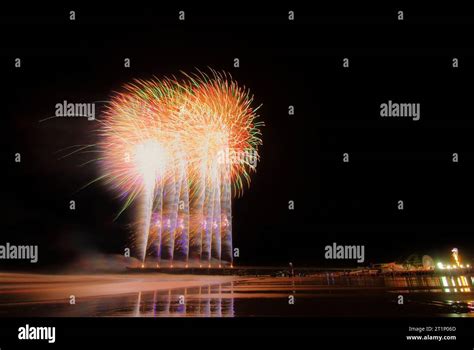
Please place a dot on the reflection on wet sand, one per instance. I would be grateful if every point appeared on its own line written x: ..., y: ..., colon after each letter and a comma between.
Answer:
x: 447, y: 284
x: 322, y: 295
x: 202, y: 301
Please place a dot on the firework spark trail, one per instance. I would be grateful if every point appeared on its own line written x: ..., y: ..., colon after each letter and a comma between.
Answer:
x: 159, y: 219
x: 216, y: 219
x: 164, y: 140
x: 149, y: 160
x: 147, y: 211
x: 182, y: 245
x: 227, y: 216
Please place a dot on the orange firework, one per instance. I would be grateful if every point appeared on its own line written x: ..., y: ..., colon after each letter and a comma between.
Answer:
x: 181, y: 145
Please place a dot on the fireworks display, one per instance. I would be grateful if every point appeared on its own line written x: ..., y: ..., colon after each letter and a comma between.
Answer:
x: 182, y: 148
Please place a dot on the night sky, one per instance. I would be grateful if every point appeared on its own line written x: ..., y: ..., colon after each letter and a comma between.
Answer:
x: 282, y: 63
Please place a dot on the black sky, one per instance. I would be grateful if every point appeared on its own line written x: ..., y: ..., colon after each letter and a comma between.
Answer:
x: 300, y: 64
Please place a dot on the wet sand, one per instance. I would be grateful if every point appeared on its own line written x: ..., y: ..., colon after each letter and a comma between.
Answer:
x: 41, y: 288
x: 165, y: 295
